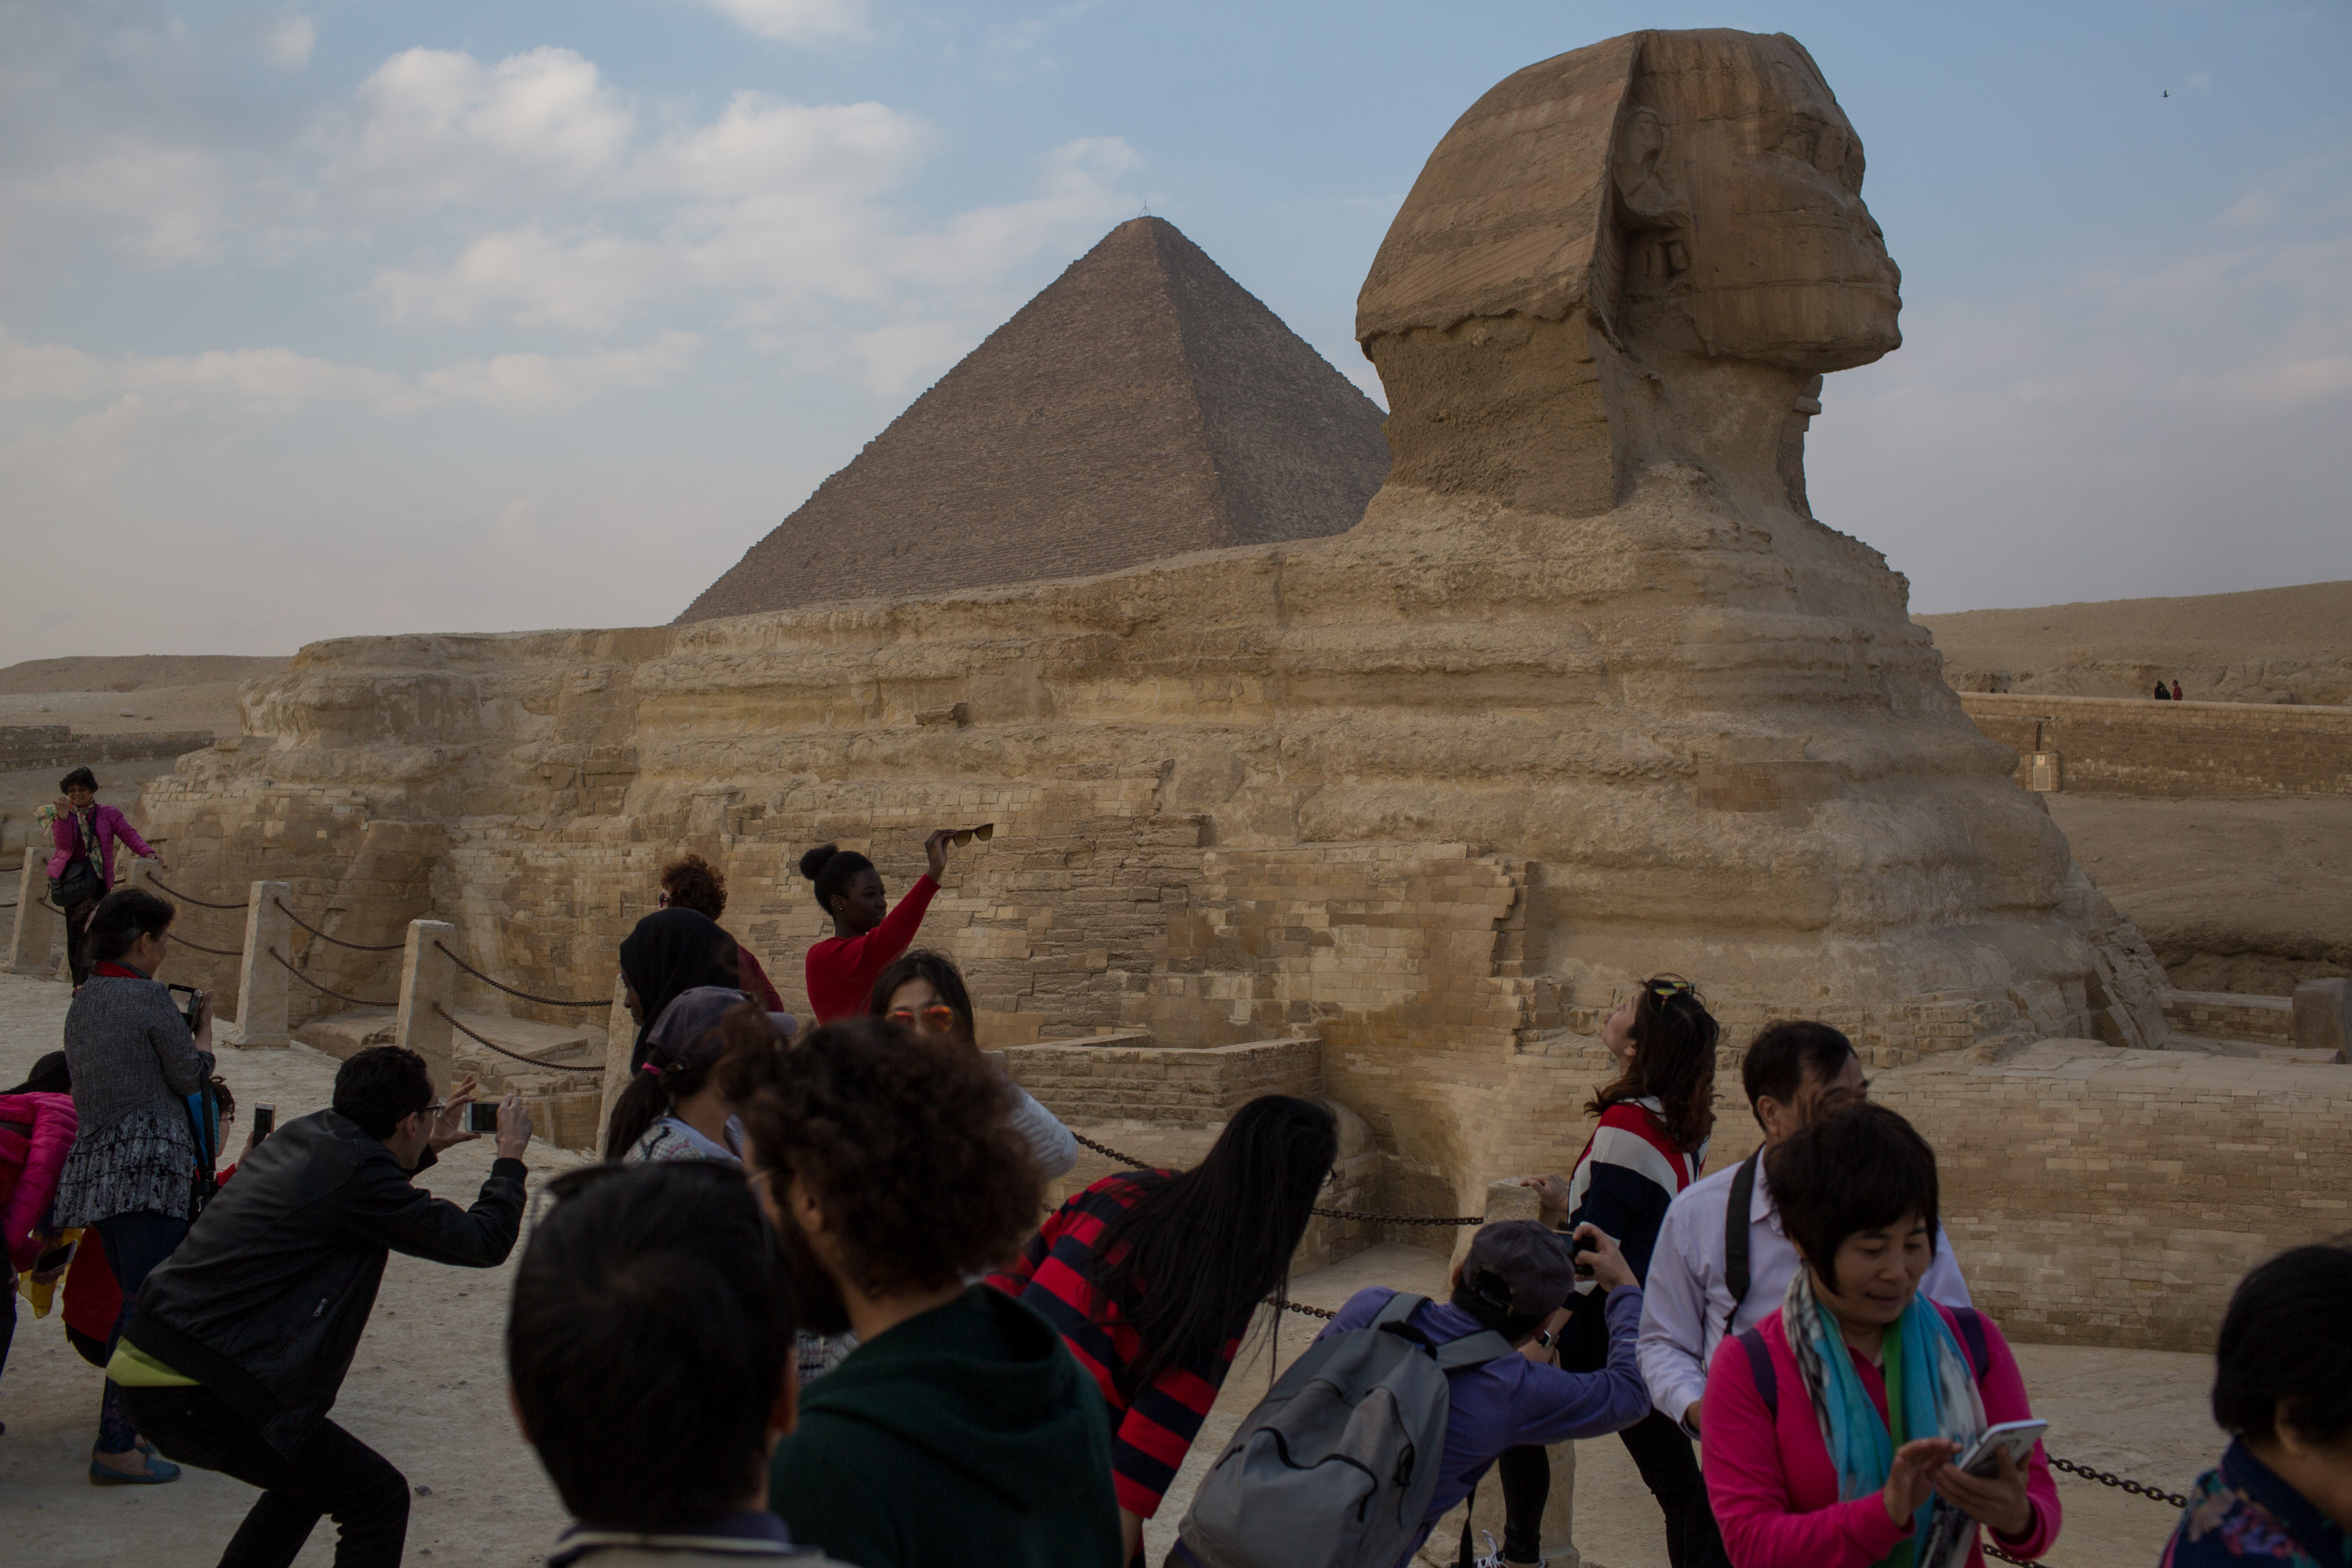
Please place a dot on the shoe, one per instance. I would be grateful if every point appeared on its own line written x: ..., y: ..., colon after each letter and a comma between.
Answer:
x: 1494, y: 1558
x: 158, y: 1471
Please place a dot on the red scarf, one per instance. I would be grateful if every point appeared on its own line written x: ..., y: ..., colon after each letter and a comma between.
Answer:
x: 114, y: 971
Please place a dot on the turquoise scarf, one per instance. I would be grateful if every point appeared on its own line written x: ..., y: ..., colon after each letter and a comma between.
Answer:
x: 1931, y: 1392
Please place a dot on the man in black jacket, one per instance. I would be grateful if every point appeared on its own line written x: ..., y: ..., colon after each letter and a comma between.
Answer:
x: 241, y: 1338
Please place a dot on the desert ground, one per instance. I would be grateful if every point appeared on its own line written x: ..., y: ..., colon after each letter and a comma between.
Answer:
x: 425, y: 1391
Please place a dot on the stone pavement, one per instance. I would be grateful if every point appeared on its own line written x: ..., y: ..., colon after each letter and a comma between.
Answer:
x: 426, y: 1390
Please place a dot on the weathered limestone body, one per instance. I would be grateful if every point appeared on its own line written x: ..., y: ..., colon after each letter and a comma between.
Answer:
x: 1588, y: 695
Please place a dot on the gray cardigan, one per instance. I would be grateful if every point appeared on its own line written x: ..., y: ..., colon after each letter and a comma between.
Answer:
x: 129, y: 1050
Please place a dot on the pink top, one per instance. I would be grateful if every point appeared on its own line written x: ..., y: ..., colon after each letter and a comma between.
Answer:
x: 1775, y: 1490
x: 110, y: 825
x: 37, y: 1131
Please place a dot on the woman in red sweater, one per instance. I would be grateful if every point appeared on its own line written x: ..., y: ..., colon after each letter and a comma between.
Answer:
x: 867, y: 932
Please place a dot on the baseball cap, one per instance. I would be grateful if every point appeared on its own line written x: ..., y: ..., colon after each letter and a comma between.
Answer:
x: 1529, y: 1262
x: 691, y: 1019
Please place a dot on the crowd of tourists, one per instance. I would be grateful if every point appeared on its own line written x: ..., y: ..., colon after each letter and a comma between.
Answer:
x: 811, y: 1303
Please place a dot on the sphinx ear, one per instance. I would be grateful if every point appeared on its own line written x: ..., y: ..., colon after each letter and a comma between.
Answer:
x: 1649, y: 184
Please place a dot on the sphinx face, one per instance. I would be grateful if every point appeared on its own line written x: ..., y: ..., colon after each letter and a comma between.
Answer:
x: 1775, y: 257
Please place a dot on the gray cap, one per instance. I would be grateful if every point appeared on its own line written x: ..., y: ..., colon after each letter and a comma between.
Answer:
x: 1529, y: 1259
x: 692, y: 1016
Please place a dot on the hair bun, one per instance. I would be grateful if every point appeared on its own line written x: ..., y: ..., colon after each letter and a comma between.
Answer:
x: 813, y: 864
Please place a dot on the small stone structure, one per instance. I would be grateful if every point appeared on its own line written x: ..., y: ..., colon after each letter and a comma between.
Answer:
x: 2143, y: 747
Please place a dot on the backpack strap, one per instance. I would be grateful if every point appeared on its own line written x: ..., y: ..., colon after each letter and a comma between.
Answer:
x: 1972, y: 1336
x: 1735, y: 1234
x: 1473, y: 1349
x: 1400, y: 1310
x: 1759, y: 1367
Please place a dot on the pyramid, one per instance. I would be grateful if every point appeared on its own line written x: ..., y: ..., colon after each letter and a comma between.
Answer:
x: 1144, y: 405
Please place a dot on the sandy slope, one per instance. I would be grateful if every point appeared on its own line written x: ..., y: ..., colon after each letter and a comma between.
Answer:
x: 2272, y: 644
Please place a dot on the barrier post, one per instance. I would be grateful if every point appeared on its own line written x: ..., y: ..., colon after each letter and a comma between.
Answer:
x: 428, y: 991
x: 620, y: 1038
x: 262, y: 983
x: 37, y: 927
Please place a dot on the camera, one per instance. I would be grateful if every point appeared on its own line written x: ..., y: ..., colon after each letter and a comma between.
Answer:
x: 194, y: 1011
x: 482, y: 1116
x: 265, y: 1120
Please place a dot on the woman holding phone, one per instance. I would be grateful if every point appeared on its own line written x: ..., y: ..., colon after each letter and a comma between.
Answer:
x: 1832, y: 1425
x: 131, y: 1171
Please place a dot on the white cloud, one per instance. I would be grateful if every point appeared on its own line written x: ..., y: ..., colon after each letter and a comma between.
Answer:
x: 165, y: 203
x: 796, y: 21
x: 287, y: 42
x: 532, y: 383
x: 435, y: 126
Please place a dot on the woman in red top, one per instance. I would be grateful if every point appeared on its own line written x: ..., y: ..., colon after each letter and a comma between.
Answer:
x: 867, y: 932
x: 1221, y: 1235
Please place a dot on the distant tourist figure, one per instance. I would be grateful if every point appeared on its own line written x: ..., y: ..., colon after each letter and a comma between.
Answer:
x: 924, y: 992
x: 2176, y: 693
x: 691, y: 882
x: 2163, y: 692
x: 2283, y: 1386
x: 82, y: 872
x: 1655, y: 1120
x: 671, y: 952
x: 867, y: 932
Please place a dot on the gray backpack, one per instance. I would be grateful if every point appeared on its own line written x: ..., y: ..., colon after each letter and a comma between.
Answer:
x: 1336, y: 1466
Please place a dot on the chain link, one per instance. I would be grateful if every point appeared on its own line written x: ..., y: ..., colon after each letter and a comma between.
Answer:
x: 354, y: 1001
x: 502, y: 985
x: 192, y: 899
x: 216, y: 952
x: 339, y: 941
x: 2105, y: 1478
x: 535, y: 1061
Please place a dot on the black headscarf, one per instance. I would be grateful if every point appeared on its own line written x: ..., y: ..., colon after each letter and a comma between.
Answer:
x: 671, y: 950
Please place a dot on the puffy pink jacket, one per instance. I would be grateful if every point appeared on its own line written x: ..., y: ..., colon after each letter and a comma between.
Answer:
x: 111, y: 827
x: 37, y: 1131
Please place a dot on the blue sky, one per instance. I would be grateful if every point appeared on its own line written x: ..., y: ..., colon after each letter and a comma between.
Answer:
x: 321, y: 320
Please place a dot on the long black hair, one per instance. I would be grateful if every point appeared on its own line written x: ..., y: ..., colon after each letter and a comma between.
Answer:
x: 939, y: 970
x: 1676, y: 1038
x: 1188, y: 1261
x: 122, y: 917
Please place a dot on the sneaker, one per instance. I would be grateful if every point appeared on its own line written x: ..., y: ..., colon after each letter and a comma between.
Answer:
x: 158, y: 1471
x: 1494, y: 1558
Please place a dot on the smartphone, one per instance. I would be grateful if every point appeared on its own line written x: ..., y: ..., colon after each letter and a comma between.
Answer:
x: 56, y: 1257
x: 482, y: 1116
x: 265, y: 1120
x: 1577, y: 1258
x: 2017, y: 1436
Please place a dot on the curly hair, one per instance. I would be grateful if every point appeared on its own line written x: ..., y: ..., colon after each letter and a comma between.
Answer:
x: 694, y: 883
x: 908, y: 1150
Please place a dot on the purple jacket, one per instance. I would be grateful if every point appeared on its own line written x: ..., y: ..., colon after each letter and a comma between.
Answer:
x: 111, y: 826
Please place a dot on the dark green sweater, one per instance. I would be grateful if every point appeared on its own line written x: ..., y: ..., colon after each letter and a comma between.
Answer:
x: 966, y: 1435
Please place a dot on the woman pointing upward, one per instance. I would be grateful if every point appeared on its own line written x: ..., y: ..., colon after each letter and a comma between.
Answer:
x: 867, y: 932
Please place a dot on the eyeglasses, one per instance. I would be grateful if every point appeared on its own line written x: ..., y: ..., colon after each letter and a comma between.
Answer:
x: 1666, y: 987
x: 984, y: 832
x: 938, y: 1018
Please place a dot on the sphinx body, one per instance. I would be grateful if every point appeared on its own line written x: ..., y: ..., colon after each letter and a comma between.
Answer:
x: 1589, y: 694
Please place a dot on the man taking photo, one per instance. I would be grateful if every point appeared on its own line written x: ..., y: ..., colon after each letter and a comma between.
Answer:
x: 243, y: 1336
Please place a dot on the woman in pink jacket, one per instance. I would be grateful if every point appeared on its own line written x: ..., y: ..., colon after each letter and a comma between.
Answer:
x: 36, y: 1130
x: 84, y: 830
x: 1832, y: 1425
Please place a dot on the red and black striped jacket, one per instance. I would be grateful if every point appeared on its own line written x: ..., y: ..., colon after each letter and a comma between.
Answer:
x: 1150, y: 1437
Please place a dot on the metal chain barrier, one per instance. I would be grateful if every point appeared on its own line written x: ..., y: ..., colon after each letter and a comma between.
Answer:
x: 502, y: 985
x: 1300, y: 1307
x: 354, y: 1001
x: 535, y: 1061
x: 2105, y: 1478
x: 216, y: 952
x: 339, y: 941
x: 191, y: 899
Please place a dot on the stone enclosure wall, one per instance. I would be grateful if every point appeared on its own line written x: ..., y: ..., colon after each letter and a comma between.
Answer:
x: 2119, y: 746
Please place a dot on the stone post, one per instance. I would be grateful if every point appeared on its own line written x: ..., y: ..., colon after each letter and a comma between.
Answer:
x: 140, y: 873
x: 620, y: 1037
x: 2323, y: 1016
x: 263, y: 985
x: 428, y: 991
x: 37, y: 926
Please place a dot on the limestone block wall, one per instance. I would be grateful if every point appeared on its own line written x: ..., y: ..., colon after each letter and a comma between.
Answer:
x: 2116, y: 1197
x: 23, y: 746
x: 1124, y: 1077
x: 2118, y: 746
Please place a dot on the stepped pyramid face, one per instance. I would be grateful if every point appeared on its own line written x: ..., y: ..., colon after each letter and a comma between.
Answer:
x: 1143, y: 406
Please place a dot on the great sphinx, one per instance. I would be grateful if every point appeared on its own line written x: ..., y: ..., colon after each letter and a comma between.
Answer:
x: 1588, y: 695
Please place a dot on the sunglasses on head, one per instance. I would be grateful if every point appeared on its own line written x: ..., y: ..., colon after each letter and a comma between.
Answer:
x: 1666, y: 989
x: 984, y: 832
x: 938, y: 1017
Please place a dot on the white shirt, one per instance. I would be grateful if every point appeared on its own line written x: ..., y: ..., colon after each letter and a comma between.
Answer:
x: 1685, y: 1297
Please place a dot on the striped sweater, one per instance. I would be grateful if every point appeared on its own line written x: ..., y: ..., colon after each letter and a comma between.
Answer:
x: 1150, y: 1437
x: 1628, y: 1174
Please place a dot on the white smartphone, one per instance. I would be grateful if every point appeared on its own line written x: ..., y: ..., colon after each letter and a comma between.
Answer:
x: 2017, y: 1436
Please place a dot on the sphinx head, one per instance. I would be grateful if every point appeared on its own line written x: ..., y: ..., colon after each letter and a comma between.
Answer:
x: 1640, y: 252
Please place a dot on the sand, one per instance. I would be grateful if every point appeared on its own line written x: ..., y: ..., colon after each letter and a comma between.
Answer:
x: 2245, y: 895
x: 2270, y: 645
